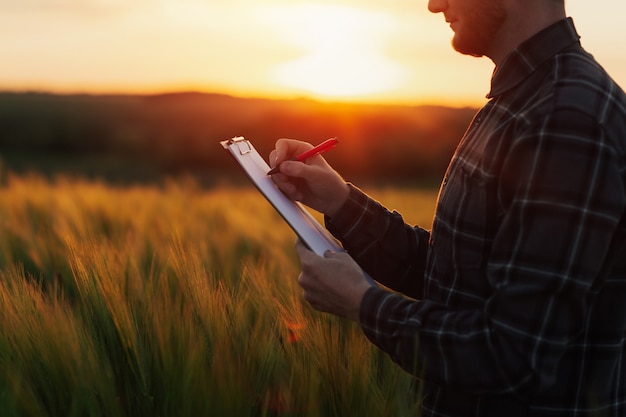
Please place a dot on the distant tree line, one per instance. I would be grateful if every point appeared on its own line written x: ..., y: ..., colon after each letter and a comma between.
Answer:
x: 128, y: 137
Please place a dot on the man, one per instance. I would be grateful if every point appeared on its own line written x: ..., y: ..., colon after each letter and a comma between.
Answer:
x: 516, y: 299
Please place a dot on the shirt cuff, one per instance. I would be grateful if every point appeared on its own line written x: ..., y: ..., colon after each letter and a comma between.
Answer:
x: 372, y: 304
x: 382, y: 313
x: 350, y: 211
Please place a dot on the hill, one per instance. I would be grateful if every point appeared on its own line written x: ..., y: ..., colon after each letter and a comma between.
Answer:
x: 141, y: 138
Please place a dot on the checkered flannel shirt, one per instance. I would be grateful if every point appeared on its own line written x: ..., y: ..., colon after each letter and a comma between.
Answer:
x: 516, y: 298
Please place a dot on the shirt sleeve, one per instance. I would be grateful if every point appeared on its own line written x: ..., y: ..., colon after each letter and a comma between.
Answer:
x: 392, y: 252
x: 561, y: 195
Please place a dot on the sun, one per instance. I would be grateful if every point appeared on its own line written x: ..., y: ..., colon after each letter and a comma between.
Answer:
x: 342, y: 51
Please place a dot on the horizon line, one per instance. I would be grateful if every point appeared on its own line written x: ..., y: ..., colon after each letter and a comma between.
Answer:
x: 244, y: 96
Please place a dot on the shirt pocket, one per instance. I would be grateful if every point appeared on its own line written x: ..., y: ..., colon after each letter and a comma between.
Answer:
x: 461, y: 236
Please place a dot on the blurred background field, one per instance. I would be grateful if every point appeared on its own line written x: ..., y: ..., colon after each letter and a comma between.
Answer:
x: 141, y: 274
x: 173, y: 299
x: 132, y: 138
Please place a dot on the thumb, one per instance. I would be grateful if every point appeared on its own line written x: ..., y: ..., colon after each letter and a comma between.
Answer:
x: 340, y: 256
x: 297, y: 169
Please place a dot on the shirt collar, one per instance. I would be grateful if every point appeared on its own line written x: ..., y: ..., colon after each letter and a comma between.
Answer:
x: 527, y: 57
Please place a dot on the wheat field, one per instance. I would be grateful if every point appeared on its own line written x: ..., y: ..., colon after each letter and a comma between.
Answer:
x: 174, y: 300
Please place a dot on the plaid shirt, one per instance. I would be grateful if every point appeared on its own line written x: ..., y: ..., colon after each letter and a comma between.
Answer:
x: 518, y: 294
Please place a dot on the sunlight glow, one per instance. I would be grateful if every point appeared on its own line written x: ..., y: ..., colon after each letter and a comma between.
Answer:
x: 342, y: 50
x: 338, y: 50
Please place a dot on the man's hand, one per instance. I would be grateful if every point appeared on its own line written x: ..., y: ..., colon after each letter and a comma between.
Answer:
x: 332, y: 284
x: 312, y: 182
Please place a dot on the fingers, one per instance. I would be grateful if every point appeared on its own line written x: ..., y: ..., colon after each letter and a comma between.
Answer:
x: 307, y: 294
x: 308, y: 257
x: 309, y: 262
x: 296, y: 169
x: 304, y: 253
x: 288, y: 186
x: 288, y: 178
x: 286, y: 149
x: 307, y: 278
x: 333, y: 283
x: 272, y: 158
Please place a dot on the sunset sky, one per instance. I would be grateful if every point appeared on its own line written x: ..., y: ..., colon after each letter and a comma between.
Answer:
x: 370, y: 50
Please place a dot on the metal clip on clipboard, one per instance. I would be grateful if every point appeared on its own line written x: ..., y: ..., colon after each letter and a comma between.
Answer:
x: 242, y: 144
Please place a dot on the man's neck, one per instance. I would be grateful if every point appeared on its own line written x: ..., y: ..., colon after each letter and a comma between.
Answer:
x: 523, y: 23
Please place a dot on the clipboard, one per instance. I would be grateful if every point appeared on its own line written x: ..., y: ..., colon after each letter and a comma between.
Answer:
x: 314, y: 236
x: 306, y: 227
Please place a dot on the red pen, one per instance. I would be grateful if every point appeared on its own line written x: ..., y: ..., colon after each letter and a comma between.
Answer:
x: 322, y: 147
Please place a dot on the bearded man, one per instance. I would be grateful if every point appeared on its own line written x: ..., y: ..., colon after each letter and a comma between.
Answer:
x: 514, y: 303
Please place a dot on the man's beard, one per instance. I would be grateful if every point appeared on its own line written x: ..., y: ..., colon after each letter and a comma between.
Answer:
x: 481, y: 29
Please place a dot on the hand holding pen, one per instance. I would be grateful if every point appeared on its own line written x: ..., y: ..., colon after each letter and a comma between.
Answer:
x: 321, y: 148
x: 317, y: 184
